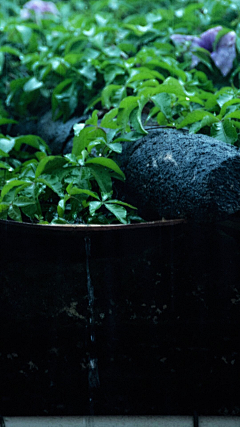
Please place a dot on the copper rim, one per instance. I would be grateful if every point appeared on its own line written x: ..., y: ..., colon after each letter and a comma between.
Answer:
x: 95, y: 227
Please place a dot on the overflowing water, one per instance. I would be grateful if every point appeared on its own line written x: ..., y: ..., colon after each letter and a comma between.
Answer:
x: 93, y: 377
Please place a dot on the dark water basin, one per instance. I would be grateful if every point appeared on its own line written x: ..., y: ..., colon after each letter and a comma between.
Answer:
x: 166, y: 319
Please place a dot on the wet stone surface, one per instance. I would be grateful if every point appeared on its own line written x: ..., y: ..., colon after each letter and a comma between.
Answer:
x: 58, y: 135
x: 172, y: 174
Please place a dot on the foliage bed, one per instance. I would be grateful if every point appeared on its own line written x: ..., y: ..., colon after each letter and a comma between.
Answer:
x: 116, y: 61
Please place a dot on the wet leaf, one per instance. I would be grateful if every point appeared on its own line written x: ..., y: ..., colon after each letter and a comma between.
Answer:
x: 14, y: 213
x: 225, y: 131
x: 74, y: 190
x: 118, y: 211
x: 93, y: 206
x: 108, y: 163
x: 14, y: 183
x: 163, y: 102
x: 102, y: 177
x: 194, y: 117
x: 32, y: 84
x: 6, y: 145
x: 49, y: 164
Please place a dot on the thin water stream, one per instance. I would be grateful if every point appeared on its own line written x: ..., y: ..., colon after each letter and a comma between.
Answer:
x: 93, y: 376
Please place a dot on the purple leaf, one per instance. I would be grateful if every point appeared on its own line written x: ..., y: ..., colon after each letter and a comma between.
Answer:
x: 39, y: 7
x: 208, y: 37
x: 225, y: 53
x: 181, y: 39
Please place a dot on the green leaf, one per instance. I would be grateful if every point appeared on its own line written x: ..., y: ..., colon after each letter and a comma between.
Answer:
x: 2, y: 61
x: 22, y: 201
x: 14, y: 213
x: 106, y: 196
x: 111, y: 135
x: 161, y: 119
x: 93, y: 120
x: 224, y: 131
x: 99, y: 141
x: 32, y: 210
x: 49, y: 164
x: 147, y: 84
x: 112, y: 95
x: 73, y: 58
x: 59, y: 66
x: 236, y: 124
x: 11, y: 50
x: 136, y: 117
x: 32, y: 84
x: 3, y: 154
x: 111, y: 72
x: 206, y: 121
x: 4, y: 165
x: 14, y: 183
x: 66, y: 102
x: 102, y: 177
x: 119, y: 202
x: 144, y: 73
x: 61, y: 208
x: 93, y: 206
x: 33, y: 141
x: 172, y: 85
x: 82, y: 158
x: 107, y: 121
x: 108, y: 163
x: 224, y: 95
x: 60, y: 221
x: 127, y: 47
x: 3, y: 207
x: 53, y: 183
x: 6, y: 145
x: 25, y: 32
x: 62, y: 205
x: 219, y: 35
x: 40, y: 155
x: 195, y: 116
x: 77, y: 128
x: 118, y: 211
x: 228, y: 104
x: 163, y: 101
x: 115, y: 146
x: 86, y: 135
x: 234, y: 115
x: 74, y: 190
x: 59, y: 89
x: 204, y: 56
x: 126, y: 106
x: 5, y: 121
x: 170, y: 67
x: 136, y: 121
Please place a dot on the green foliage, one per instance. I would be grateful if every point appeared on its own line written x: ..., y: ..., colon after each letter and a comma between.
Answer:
x: 117, y: 49
x: 116, y: 57
x: 49, y: 188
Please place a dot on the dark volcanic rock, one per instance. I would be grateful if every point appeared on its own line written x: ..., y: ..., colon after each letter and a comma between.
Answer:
x: 56, y: 134
x: 171, y: 173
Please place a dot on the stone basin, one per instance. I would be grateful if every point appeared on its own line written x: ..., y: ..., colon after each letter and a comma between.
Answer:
x: 161, y: 336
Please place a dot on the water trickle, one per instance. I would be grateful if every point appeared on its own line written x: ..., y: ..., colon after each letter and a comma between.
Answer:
x: 93, y: 377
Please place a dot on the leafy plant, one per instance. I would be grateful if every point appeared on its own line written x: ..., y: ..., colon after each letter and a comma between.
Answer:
x: 75, y: 188
x: 120, y: 58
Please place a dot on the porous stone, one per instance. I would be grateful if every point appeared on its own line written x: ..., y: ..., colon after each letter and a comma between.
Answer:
x: 171, y: 173
x: 57, y: 134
